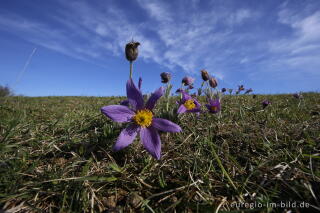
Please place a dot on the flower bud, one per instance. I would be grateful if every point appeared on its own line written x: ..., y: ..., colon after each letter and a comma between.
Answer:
x: 179, y: 90
x: 132, y: 50
x: 165, y: 77
x: 205, y: 75
x: 187, y: 81
x: 223, y: 90
x: 265, y: 103
x: 213, y: 82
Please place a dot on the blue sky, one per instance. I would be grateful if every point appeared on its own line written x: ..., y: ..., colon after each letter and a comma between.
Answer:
x: 270, y: 46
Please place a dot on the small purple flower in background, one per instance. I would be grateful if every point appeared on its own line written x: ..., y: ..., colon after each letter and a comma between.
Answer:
x: 187, y: 81
x: 265, y: 103
x: 248, y: 91
x: 141, y: 120
x: 126, y: 101
x: 297, y: 95
x: 240, y: 88
x: 223, y: 90
x: 214, y: 106
x: 188, y: 104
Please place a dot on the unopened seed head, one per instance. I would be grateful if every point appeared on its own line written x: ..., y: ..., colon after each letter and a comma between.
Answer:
x: 205, y: 75
x: 132, y: 50
x: 213, y: 82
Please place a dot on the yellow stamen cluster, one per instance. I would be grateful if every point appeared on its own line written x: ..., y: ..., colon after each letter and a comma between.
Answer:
x: 189, y: 104
x: 143, y: 117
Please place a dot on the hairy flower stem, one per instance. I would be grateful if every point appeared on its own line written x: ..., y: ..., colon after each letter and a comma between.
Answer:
x: 167, y: 96
x: 130, y: 70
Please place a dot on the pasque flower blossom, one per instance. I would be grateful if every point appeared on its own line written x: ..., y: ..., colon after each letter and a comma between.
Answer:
x: 214, y: 106
x: 265, y: 103
x: 141, y: 120
x: 188, y: 104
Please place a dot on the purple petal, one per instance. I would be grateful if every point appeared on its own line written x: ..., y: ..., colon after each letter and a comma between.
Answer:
x: 154, y: 98
x: 140, y: 83
x: 118, y: 113
x: 151, y: 141
x: 134, y: 95
x: 185, y: 96
x: 194, y: 110
x: 198, y: 105
x: 126, y: 137
x: 165, y: 125
x: 182, y: 109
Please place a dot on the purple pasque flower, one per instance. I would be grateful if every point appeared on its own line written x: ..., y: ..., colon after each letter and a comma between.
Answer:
x: 126, y: 101
x: 188, y: 104
x: 248, y: 91
x: 297, y: 95
x: 214, y: 106
x: 187, y: 81
x: 265, y: 103
x: 141, y: 120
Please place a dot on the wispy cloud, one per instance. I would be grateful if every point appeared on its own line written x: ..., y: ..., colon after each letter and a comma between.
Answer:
x: 300, y: 50
x: 179, y: 36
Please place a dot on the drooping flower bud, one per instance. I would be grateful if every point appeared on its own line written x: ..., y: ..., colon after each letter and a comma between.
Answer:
x: 213, y: 82
x: 205, y: 75
x: 179, y: 90
x: 165, y: 77
x: 132, y: 50
x: 265, y: 103
x: 187, y: 81
x: 248, y: 91
x: 223, y: 90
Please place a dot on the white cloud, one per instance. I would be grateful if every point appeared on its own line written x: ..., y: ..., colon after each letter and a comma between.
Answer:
x: 183, y: 39
x: 300, y: 50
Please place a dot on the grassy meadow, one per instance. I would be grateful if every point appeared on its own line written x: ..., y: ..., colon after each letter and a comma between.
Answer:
x: 55, y: 156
